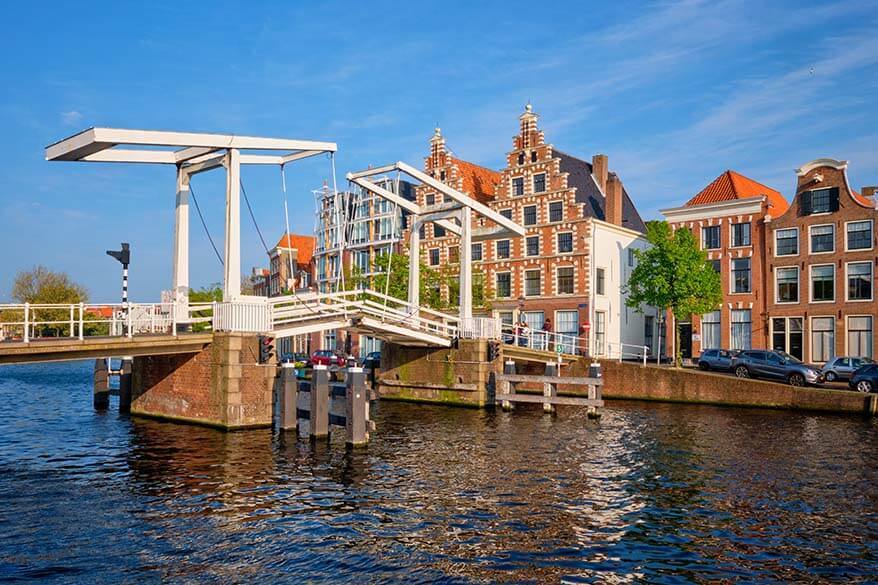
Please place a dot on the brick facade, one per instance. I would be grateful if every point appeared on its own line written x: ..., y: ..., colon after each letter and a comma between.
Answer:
x: 821, y: 316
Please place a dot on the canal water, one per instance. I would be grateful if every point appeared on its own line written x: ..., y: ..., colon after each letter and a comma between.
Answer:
x: 651, y: 493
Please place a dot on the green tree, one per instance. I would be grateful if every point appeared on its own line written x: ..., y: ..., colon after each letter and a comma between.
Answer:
x: 673, y: 274
x: 206, y: 294
x: 39, y: 286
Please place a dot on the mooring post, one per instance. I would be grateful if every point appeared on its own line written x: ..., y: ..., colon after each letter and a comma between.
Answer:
x: 550, y: 389
x: 356, y: 408
x: 319, y: 402
x: 101, y: 384
x: 125, y: 384
x: 286, y: 398
x: 594, y: 371
x: 508, y: 387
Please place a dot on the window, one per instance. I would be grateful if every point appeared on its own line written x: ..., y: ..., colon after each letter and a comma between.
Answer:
x: 741, y: 329
x: 599, y: 281
x: 533, y: 156
x: 787, y: 281
x: 518, y: 186
x: 502, y: 248
x: 567, y: 329
x: 823, y: 283
x: 822, y: 238
x: 787, y: 335
x: 442, y: 175
x: 362, y: 260
x: 430, y: 199
x: 710, y: 330
x: 507, y: 213
x: 520, y: 158
x: 859, y: 235
x: 532, y: 244
x: 438, y: 231
x: 434, y: 257
x: 453, y: 255
x: 710, y: 237
x: 820, y: 201
x: 477, y: 252
x: 860, y: 336
x: 532, y: 283
x: 786, y: 242
x: 741, y: 275
x: 504, y: 285
x: 530, y: 215
x: 740, y: 234
x: 822, y: 339
x: 540, y: 183
x: 565, y: 280
x: 565, y: 242
x: 860, y: 281
x: 556, y: 211
x: 717, y: 265
x: 506, y: 318
x: 631, y: 258
x: 648, y: 328
x: 600, y: 332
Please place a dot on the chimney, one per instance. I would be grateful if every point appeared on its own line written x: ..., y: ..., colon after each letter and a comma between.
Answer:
x: 868, y: 191
x: 599, y: 170
x: 613, y: 201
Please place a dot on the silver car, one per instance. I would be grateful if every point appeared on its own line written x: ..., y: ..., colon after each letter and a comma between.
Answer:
x: 842, y: 368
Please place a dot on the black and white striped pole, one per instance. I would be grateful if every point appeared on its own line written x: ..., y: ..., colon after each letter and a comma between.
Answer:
x: 124, y: 257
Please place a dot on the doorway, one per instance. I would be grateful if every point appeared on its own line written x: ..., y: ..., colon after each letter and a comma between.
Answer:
x: 686, y: 340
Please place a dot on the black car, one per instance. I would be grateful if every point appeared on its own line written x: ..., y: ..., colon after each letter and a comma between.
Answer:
x: 865, y: 379
x: 371, y: 361
x: 778, y: 365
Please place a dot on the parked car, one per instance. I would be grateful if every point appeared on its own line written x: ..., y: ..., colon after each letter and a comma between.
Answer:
x: 326, y: 357
x: 299, y: 360
x: 777, y: 365
x: 371, y: 361
x: 842, y: 368
x: 865, y: 379
x: 716, y: 359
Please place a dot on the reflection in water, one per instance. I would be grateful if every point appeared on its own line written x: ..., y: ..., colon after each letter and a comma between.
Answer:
x: 652, y: 492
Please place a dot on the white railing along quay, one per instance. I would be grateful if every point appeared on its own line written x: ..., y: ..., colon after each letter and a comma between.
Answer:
x: 572, y: 345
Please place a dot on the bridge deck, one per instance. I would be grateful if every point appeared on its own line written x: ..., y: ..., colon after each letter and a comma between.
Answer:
x: 62, y: 349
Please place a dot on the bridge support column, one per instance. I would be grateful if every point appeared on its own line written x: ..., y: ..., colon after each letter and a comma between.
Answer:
x: 319, y: 402
x: 125, y: 384
x: 180, y: 283
x: 286, y: 396
x: 232, y: 258
x: 101, y: 384
x: 466, y: 264
x: 415, y: 267
x: 508, y: 368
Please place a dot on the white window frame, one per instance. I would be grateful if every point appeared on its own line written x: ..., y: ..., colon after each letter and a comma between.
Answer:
x: 732, y: 235
x: 536, y: 215
x: 603, y: 271
x: 481, y: 252
x: 540, y: 288
x: 706, y: 227
x: 438, y: 256
x: 847, y: 288
x: 847, y: 348
x: 787, y: 331
x: 798, y: 242
x: 533, y: 182
x: 811, y: 194
x: 732, y: 276
x: 811, y: 283
x: 512, y: 186
x: 558, y: 242
x: 810, y: 242
x: 549, y: 211
x: 558, y: 288
x: 498, y: 273
x: 811, y: 357
x: 509, y: 209
x: 871, y: 235
x: 497, y: 249
x: 777, y: 300
x: 539, y: 246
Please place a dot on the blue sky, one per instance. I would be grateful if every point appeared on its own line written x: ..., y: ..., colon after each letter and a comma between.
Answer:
x: 673, y: 93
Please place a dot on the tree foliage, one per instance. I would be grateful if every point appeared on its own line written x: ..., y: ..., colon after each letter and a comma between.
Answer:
x: 44, y: 286
x: 673, y: 274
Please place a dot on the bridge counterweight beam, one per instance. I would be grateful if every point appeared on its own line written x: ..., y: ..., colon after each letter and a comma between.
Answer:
x: 466, y: 264
x: 180, y: 283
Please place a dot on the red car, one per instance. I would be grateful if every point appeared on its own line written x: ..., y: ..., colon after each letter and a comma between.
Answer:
x: 326, y: 357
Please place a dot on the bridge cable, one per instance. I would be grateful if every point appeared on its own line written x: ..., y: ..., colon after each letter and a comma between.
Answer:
x: 204, y: 224
x: 253, y: 217
x: 283, y: 181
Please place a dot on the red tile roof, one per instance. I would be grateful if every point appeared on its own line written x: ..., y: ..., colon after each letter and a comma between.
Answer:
x: 304, y: 246
x: 864, y: 201
x: 731, y: 185
x: 477, y: 181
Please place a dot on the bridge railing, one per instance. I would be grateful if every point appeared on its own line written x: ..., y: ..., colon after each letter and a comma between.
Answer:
x: 573, y: 345
x: 29, y: 321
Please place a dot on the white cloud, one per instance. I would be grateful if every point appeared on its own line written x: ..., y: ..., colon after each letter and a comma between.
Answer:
x: 71, y: 118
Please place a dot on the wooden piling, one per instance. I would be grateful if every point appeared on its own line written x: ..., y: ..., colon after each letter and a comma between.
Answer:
x: 594, y: 371
x: 125, y: 384
x: 101, y: 384
x: 356, y: 408
x: 286, y: 398
x: 319, y: 402
x: 507, y: 387
x: 550, y: 389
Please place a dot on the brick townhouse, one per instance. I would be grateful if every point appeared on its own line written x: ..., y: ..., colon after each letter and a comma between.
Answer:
x: 581, y: 229
x: 728, y: 218
x: 821, y: 259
